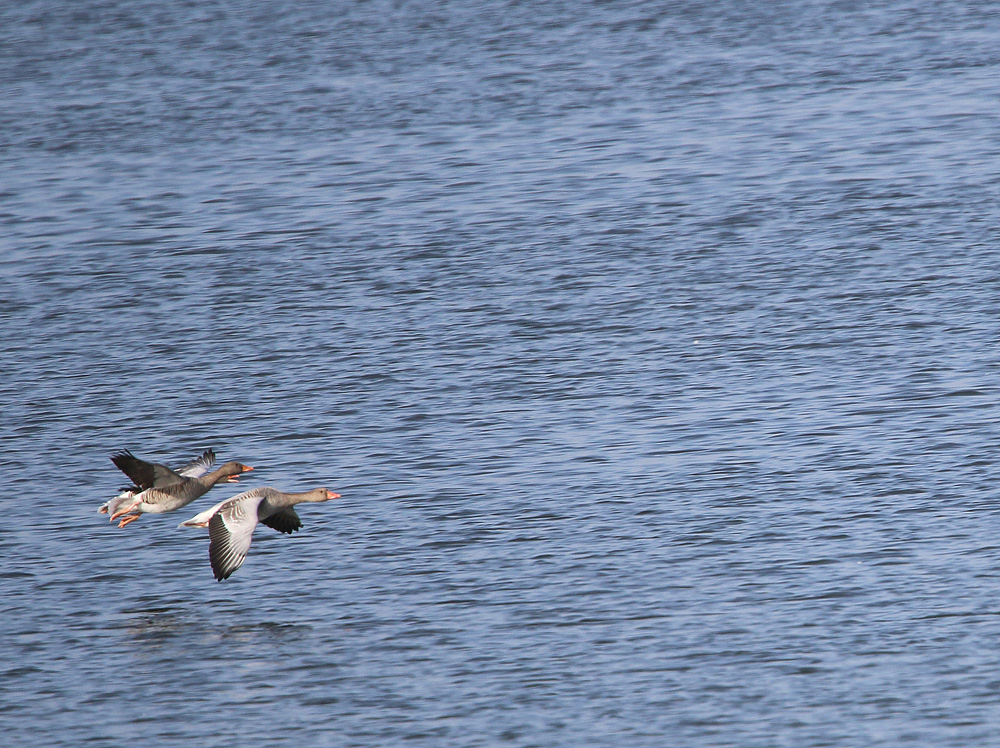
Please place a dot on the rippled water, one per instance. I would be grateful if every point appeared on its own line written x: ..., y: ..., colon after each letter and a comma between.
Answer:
x: 652, y: 348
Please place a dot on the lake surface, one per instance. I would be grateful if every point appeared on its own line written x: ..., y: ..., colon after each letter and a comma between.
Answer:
x: 653, y: 348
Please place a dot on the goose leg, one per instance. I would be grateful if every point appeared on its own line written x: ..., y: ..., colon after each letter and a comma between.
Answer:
x: 131, y: 507
x: 130, y: 518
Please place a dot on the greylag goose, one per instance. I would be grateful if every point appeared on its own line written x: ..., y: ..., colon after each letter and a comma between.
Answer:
x: 159, y: 489
x: 194, y: 469
x: 231, y: 522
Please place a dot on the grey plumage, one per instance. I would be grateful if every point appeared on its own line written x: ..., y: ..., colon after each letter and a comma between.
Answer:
x: 159, y: 489
x: 231, y: 522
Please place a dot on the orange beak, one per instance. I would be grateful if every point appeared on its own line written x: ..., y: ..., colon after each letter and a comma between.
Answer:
x: 332, y: 495
x: 247, y: 468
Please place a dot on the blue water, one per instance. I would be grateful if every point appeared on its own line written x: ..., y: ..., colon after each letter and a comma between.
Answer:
x: 652, y: 347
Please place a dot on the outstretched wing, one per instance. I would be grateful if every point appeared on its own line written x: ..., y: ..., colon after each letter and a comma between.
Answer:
x: 285, y: 520
x: 144, y: 474
x: 198, y: 466
x: 230, y: 531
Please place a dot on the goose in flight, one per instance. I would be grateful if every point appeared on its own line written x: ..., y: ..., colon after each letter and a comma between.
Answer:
x: 159, y: 489
x: 231, y: 522
x: 194, y: 469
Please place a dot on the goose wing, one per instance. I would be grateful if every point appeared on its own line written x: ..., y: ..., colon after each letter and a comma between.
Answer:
x: 230, y: 531
x: 144, y: 474
x: 199, y: 465
x: 284, y: 520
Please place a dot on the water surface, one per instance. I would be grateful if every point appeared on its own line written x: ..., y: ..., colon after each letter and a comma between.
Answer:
x: 653, y: 350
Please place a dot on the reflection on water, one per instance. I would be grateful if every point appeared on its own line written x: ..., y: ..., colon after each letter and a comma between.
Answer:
x: 154, y: 625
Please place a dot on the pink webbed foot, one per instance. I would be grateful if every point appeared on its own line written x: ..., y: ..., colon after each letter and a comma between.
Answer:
x: 130, y: 508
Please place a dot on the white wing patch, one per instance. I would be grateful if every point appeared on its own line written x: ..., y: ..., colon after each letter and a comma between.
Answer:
x: 230, y: 531
x: 198, y: 466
